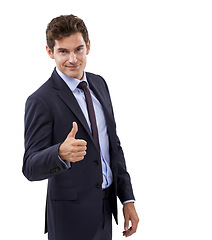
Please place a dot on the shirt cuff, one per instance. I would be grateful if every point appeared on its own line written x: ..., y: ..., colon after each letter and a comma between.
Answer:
x: 128, y: 201
x: 67, y: 163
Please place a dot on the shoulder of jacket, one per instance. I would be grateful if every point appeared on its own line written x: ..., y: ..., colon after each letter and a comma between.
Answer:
x: 95, y: 77
x: 43, y: 89
x: 89, y: 74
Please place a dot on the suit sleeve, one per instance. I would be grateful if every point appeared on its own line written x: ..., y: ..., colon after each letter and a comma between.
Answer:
x: 124, y: 186
x: 41, y: 157
x: 124, y: 190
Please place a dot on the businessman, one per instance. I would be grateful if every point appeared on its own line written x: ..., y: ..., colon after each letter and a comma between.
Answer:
x: 71, y: 140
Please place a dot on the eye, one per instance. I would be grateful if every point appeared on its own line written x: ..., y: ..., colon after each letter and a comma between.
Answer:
x: 79, y: 49
x: 63, y: 51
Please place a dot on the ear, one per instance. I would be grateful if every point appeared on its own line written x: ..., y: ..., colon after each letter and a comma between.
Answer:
x: 88, y: 47
x: 49, y: 51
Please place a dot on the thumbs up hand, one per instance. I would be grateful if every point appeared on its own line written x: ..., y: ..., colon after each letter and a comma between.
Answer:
x: 73, y: 150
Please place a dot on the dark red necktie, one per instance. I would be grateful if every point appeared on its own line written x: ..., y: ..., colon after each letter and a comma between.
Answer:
x: 91, y: 113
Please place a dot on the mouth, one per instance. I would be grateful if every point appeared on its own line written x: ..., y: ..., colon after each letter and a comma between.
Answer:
x: 72, y: 66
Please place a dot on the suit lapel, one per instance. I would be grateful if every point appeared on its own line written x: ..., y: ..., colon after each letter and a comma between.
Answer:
x: 105, y: 105
x: 97, y: 94
x: 68, y: 98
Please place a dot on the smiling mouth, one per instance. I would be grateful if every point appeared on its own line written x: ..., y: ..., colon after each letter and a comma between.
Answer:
x: 73, y: 66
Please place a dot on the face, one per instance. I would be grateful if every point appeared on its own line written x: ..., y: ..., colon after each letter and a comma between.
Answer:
x: 70, y: 55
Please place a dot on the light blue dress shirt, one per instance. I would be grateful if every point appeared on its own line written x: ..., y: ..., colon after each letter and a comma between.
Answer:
x: 101, y: 124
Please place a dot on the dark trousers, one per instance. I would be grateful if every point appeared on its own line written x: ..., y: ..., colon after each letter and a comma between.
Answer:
x: 105, y: 228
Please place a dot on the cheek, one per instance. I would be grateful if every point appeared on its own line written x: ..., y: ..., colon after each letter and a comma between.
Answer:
x: 83, y: 58
x: 60, y: 60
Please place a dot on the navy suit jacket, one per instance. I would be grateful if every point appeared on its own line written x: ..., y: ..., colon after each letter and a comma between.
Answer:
x: 74, y: 196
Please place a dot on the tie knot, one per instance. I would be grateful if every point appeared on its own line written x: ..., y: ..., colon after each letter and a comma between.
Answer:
x: 82, y: 85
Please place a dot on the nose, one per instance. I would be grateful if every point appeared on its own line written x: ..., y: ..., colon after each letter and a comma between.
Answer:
x: 72, y: 58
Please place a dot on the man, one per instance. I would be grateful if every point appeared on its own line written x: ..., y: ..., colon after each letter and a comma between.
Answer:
x: 70, y: 139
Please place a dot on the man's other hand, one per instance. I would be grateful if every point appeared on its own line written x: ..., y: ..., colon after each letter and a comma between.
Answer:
x: 130, y: 215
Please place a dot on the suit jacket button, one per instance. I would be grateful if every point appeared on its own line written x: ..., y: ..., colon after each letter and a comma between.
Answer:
x: 98, y: 185
x: 95, y: 162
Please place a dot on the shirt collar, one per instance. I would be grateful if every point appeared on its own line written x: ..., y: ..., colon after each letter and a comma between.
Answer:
x: 71, y: 82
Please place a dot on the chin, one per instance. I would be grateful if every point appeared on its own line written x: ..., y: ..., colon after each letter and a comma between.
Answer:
x: 74, y: 75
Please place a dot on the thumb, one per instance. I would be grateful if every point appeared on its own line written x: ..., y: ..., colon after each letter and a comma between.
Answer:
x: 74, y: 130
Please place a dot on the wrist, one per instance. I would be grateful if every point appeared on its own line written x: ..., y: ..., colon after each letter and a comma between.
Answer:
x: 128, y: 201
x: 60, y: 152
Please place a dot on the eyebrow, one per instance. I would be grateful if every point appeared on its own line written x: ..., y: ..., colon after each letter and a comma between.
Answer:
x: 64, y: 49
x: 80, y: 46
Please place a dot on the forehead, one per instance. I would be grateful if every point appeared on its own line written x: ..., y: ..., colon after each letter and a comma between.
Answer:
x: 71, y: 42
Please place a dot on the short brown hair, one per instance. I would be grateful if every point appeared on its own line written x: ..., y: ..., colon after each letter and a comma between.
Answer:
x: 64, y: 26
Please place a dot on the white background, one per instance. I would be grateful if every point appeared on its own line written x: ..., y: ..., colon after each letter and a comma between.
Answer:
x: 156, y: 56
